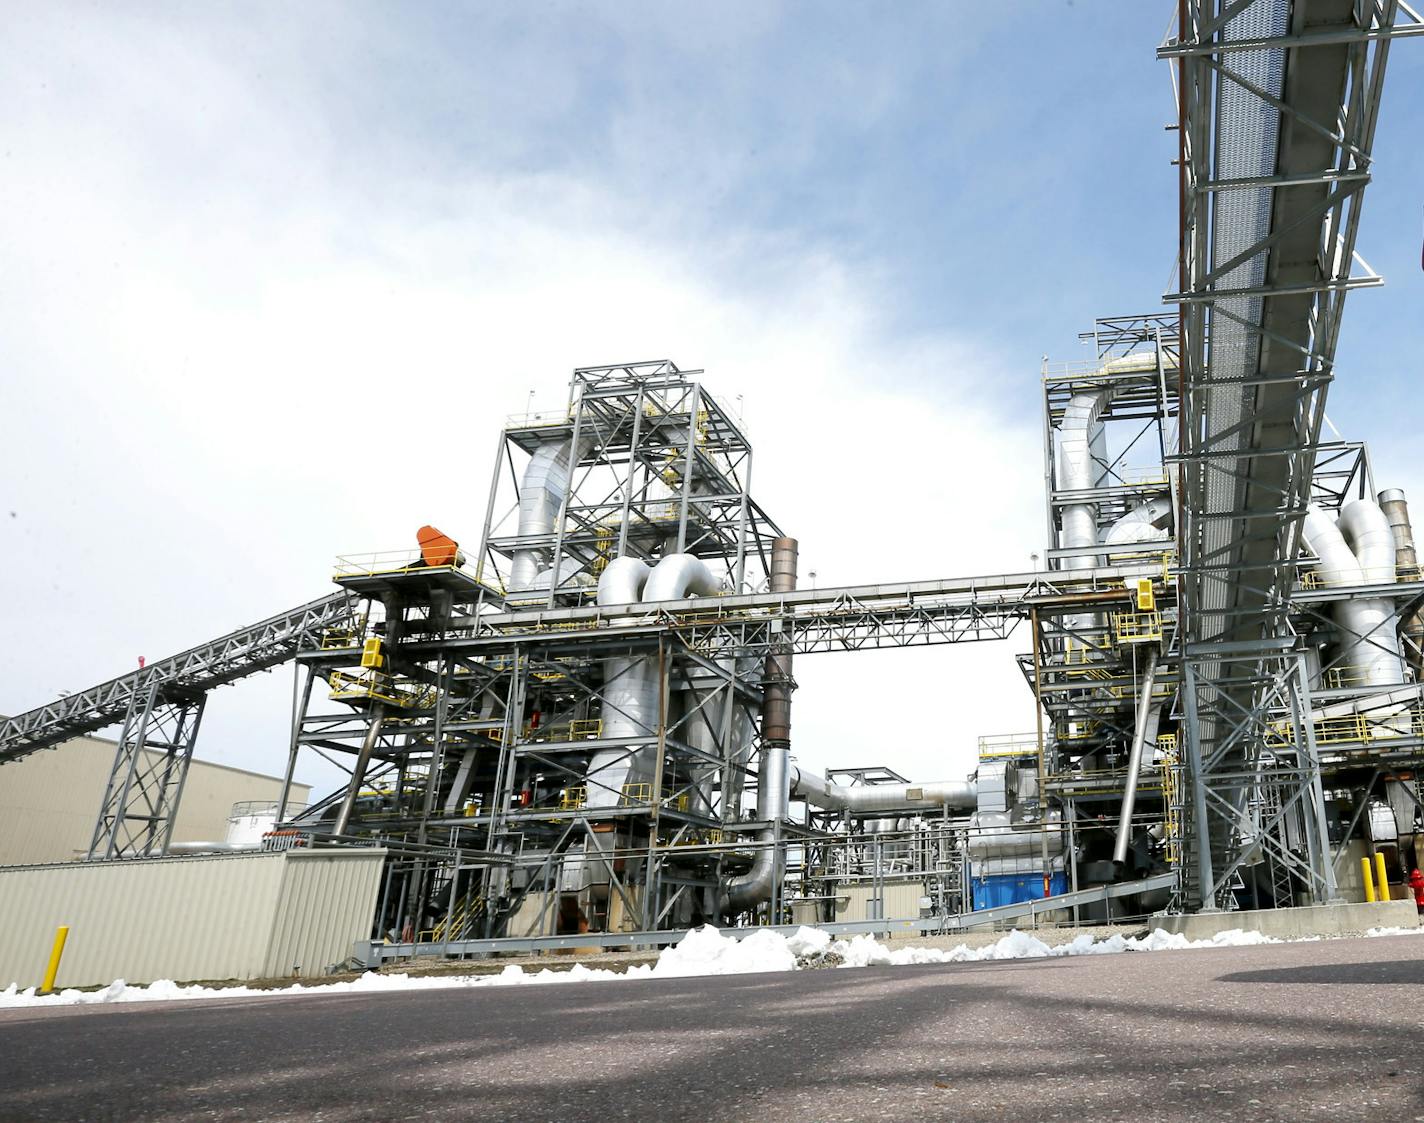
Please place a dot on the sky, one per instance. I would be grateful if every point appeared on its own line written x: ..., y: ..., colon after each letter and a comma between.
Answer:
x: 274, y: 275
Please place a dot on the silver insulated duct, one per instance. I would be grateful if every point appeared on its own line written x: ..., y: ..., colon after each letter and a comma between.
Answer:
x: 869, y: 799
x: 630, y: 683
x: 745, y: 890
x: 541, y: 498
x: 1359, y: 549
x: 630, y: 692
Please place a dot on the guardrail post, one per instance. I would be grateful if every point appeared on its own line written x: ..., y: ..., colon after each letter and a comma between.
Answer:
x: 61, y: 934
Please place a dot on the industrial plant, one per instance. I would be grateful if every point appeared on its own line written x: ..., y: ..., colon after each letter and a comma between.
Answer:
x: 577, y: 731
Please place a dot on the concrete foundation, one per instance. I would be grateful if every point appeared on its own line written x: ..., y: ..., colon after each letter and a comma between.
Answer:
x: 1315, y: 920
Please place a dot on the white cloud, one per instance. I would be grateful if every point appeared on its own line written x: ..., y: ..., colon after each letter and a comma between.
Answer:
x: 227, y: 360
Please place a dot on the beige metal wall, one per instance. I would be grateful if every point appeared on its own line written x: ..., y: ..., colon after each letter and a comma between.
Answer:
x: 232, y: 916
x: 326, y: 903
x: 901, y: 898
x: 49, y: 800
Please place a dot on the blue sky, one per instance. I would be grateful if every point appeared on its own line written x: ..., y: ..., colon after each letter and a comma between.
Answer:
x: 262, y: 259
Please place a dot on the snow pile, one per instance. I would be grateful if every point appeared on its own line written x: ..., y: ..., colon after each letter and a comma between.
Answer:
x: 703, y: 951
x: 865, y: 951
x: 1419, y: 931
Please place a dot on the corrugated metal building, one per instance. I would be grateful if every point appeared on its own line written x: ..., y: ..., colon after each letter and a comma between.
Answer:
x: 49, y: 800
x: 293, y: 913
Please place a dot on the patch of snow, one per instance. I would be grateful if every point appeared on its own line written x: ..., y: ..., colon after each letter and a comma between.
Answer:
x: 703, y: 951
x: 1419, y: 931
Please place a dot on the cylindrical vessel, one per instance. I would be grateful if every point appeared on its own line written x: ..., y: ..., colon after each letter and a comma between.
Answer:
x: 1411, y: 629
x: 776, y: 701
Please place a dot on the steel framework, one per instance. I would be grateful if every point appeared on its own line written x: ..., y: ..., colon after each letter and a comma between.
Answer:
x: 1278, y: 103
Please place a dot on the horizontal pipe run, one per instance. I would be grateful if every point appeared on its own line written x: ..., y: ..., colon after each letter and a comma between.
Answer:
x: 872, y: 798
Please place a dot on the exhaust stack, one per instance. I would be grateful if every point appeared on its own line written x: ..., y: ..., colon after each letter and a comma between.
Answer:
x: 1406, y: 565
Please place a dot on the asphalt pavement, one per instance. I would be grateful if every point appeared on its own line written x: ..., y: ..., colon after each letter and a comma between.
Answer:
x: 1325, y: 1030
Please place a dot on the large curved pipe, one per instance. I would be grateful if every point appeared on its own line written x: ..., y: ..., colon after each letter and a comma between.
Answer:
x: 742, y: 891
x: 541, y: 497
x: 866, y: 799
x: 1367, y: 530
x: 1080, y: 435
x: 1148, y: 522
x: 679, y: 576
x: 1359, y: 550
x: 630, y: 683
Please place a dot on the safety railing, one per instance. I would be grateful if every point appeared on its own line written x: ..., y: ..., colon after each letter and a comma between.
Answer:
x: 1005, y: 746
x: 1160, y: 689
x: 1106, y: 781
x: 373, y: 685
x: 338, y: 639
x: 571, y: 799
x: 388, y: 563
x: 539, y: 419
x: 1075, y: 731
x: 1343, y: 678
x: 641, y: 795
x: 1137, y: 627
x: 1355, y: 728
x: 583, y: 729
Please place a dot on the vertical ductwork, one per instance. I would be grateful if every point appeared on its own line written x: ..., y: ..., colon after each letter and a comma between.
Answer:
x: 1082, y: 462
x: 1406, y: 568
x: 630, y: 683
x: 541, y: 498
x: 1359, y: 549
x: 1077, y: 434
x: 630, y: 691
x: 773, y: 784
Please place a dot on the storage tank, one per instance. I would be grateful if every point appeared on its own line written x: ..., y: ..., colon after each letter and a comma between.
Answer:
x: 248, y: 821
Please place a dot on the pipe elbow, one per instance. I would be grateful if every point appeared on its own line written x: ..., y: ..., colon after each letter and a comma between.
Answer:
x: 622, y: 581
x: 1366, y: 529
x: 679, y: 576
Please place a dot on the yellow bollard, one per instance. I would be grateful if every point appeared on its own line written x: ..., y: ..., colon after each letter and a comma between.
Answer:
x: 60, y: 935
x: 1381, y: 879
x: 1369, y: 880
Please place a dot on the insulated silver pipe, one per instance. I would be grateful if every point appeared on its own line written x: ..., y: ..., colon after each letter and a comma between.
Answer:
x: 751, y: 888
x: 358, y: 773
x: 630, y: 691
x: 630, y: 683
x: 865, y: 799
x: 541, y: 497
x: 1148, y: 716
x: 773, y: 789
x: 1359, y: 549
